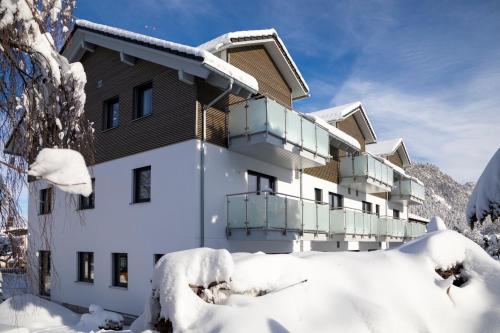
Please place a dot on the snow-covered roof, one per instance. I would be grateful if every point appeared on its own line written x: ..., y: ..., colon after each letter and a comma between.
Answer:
x: 387, y: 148
x: 334, y: 132
x: 275, y: 47
x: 341, y: 112
x: 207, y: 59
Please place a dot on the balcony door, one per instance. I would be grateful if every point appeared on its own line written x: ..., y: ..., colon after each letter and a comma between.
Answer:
x: 44, y: 269
x: 258, y: 182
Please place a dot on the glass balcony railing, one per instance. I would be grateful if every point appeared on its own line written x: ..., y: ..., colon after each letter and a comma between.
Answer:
x: 389, y: 227
x: 264, y: 115
x: 414, y: 230
x: 367, y: 166
x: 353, y: 222
x: 276, y: 211
x: 408, y: 188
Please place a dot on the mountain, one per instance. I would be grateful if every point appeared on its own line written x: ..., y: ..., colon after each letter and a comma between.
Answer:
x: 447, y: 198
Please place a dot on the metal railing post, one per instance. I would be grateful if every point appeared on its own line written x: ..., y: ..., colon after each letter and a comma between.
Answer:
x: 267, y: 211
x: 246, y: 214
x: 286, y: 215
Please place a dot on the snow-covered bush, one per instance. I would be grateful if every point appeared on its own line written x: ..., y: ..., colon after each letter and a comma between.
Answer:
x: 440, y: 282
x: 485, y: 198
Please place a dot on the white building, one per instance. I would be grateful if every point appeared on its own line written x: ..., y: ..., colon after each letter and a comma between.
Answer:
x: 200, y: 146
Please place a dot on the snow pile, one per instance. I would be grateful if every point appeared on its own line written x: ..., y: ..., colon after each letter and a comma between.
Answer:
x: 436, y: 224
x: 384, y: 148
x: 337, y: 113
x: 98, y: 318
x: 34, y: 313
x: 173, y: 276
x: 485, y: 198
x: 397, y: 290
x: 64, y: 168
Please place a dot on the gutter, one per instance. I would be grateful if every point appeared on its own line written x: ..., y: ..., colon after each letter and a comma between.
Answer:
x: 202, y: 159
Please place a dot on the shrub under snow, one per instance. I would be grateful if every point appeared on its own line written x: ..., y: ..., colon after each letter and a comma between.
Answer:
x: 485, y: 198
x: 413, y: 288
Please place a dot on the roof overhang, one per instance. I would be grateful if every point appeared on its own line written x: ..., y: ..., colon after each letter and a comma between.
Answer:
x: 389, y: 148
x: 273, y: 44
x: 190, y: 62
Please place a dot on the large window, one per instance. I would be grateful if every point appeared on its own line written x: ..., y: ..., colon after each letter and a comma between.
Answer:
x: 142, y: 184
x: 335, y: 200
x: 45, y: 204
x: 111, y: 117
x: 86, y: 267
x: 120, y: 270
x: 143, y: 100
x: 260, y: 182
x: 395, y: 213
x: 88, y: 202
x: 366, y: 207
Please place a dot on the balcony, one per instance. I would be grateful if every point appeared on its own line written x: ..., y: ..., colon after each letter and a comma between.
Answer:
x: 276, y: 211
x: 352, y: 222
x: 366, y: 174
x: 409, y: 191
x: 414, y: 230
x: 266, y: 130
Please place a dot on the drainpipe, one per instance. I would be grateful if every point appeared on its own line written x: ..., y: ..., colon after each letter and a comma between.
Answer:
x: 202, y: 159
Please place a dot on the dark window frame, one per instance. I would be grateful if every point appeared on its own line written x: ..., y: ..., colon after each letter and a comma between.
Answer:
x: 116, y: 257
x: 87, y: 202
x: 85, y: 264
x: 136, y: 188
x: 340, y: 200
x: 45, y: 201
x: 365, y: 205
x: 396, y: 214
x: 377, y: 210
x: 316, y: 192
x: 107, y: 115
x: 272, y: 180
x: 45, y: 268
x: 138, y: 99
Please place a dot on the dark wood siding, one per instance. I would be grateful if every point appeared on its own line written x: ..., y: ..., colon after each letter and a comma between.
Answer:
x: 396, y: 159
x: 256, y: 61
x: 174, y: 105
x: 351, y: 127
x: 217, y: 116
x: 329, y: 172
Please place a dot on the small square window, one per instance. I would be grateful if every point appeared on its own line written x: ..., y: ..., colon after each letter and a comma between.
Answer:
x: 88, y: 202
x: 120, y: 270
x: 335, y: 200
x: 144, y: 100
x: 111, y: 117
x: 142, y: 184
x: 395, y: 213
x: 45, y: 205
x: 86, y: 267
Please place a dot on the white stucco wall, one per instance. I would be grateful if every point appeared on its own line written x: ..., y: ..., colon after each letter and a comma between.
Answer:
x: 170, y: 222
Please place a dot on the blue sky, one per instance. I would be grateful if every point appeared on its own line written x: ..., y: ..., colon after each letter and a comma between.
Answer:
x: 427, y: 71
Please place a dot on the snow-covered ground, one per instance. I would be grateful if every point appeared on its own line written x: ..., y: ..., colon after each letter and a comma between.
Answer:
x: 396, y: 290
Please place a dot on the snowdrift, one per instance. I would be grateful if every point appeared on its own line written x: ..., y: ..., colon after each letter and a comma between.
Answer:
x: 398, y: 290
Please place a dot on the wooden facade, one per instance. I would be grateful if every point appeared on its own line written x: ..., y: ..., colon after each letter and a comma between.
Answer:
x: 174, y: 105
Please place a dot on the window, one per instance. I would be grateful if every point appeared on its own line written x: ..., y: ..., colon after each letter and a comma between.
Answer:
x: 143, y: 100
x: 318, y: 195
x: 44, y: 271
x: 335, y: 200
x: 120, y: 270
x: 86, y: 267
x: 88, y: 202
x: 45, y: 201
x: 142, y: 184
x: 111, y: 116
x: 395, y: 213
x: 334, y: 152
x: 366, y: 207
x: 157, y: 257
x: 377, y: 210
x: 259, y: 182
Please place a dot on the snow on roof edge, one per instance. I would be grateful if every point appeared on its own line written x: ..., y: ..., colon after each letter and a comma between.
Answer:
x: 224, y: 40
x: 209, y: 59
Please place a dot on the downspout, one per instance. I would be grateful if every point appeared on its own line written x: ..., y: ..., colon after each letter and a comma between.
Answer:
x: 202, y: 159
